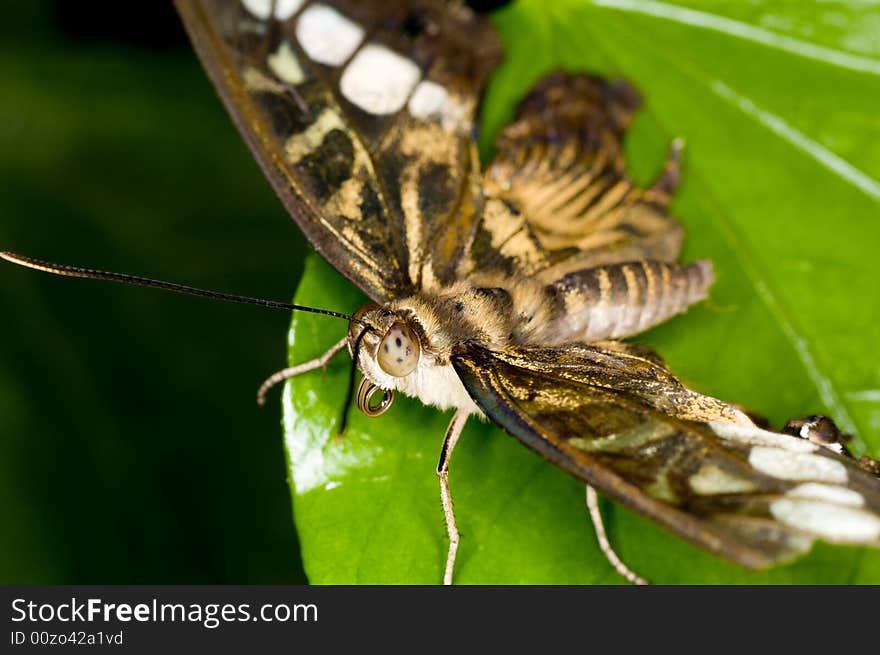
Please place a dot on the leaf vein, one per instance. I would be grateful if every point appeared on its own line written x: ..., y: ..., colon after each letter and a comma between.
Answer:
x: 744, y: 31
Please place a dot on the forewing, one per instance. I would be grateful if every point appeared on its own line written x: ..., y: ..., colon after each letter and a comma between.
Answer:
x: 614, y: 417
x: 557, y: 196
x: 361, y: 115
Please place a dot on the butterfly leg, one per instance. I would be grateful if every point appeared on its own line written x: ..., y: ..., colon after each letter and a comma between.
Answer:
x: 292, y: 371
x: 666, y: 183
x: 607, y: 550
x: 453, y: 432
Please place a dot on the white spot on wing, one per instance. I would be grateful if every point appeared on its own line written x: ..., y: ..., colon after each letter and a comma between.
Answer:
x: 431, y: 102
x: 834, y: 523
x: 788, y: 465
x: 712, y: 480
x: 755, y: 436
x: 827, y: 492
x: 327, y: 36
x: 284, y: 64
x: 428, y: 101
x: 284, y: 9
x: 378, y: 80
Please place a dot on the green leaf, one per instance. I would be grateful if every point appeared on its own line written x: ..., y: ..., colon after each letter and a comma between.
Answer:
x: 779, y: 191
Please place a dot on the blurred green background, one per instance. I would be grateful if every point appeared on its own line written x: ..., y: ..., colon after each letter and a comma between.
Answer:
x: 131, y: 448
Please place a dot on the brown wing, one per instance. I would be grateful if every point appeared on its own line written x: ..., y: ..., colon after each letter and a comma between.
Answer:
x: 613, y: 416
x: 557, y: 196
x: 361, y: 115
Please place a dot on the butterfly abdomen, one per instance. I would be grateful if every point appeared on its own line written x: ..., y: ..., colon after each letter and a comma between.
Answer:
x: 613, y: 302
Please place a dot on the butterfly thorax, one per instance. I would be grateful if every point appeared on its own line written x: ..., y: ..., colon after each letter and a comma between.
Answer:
x: 436, y: 323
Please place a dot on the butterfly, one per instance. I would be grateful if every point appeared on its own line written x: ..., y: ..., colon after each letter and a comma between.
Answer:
x: 505, y: 292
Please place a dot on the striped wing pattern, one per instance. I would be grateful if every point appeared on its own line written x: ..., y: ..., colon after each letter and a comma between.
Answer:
x: 361, y: 113
x: 558, y: 197
x: 613, y: 416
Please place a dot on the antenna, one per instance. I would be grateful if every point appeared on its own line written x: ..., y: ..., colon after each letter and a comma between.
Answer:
x: 89, y: 273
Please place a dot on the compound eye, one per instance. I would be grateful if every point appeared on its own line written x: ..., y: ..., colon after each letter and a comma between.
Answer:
x: 399, y: 351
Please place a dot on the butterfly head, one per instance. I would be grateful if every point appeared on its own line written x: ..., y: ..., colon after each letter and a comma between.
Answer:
x: 390, y: 348
x: 403, y: 348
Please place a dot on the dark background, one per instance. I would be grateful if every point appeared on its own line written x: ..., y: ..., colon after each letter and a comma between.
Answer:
x: 131, y: 448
